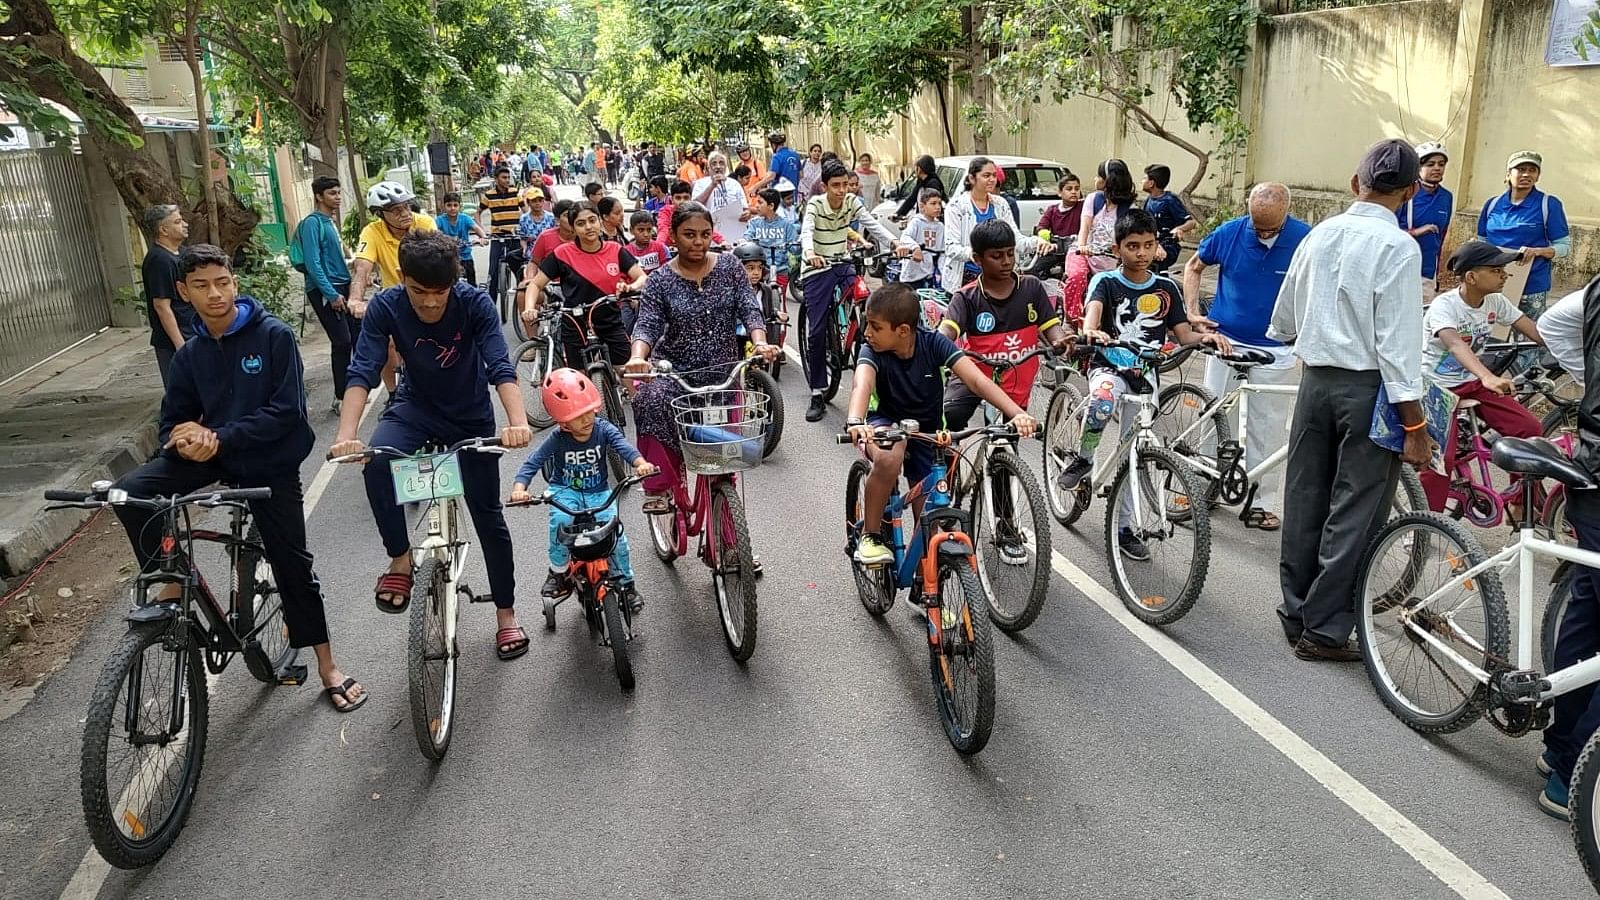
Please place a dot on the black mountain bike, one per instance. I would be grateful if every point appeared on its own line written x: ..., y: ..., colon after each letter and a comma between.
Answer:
x: 144, y: 739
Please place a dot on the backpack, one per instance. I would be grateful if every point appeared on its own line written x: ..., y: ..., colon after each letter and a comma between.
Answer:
x: 297, y: 252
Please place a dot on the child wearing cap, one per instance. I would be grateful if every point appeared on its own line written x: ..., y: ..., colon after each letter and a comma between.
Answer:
x: 1455, y: 327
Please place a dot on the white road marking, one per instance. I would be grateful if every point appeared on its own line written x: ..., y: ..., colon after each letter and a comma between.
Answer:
x: 93, y: 870
x: 1446, y: 866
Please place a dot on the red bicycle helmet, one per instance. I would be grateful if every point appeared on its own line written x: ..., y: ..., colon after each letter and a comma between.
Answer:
x: 569, y: 394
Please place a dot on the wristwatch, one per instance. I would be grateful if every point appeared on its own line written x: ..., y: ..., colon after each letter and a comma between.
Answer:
x: 854, y: 421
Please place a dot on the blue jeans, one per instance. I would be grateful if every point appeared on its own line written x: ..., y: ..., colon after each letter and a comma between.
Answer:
x: 1577, y: 714
x: 560, y: 556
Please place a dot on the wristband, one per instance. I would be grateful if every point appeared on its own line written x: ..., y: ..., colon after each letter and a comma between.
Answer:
x: 1417, y: 427
x: 854, y: 421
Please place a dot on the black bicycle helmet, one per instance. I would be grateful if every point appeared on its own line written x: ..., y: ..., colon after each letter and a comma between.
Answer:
x: 750, y: 251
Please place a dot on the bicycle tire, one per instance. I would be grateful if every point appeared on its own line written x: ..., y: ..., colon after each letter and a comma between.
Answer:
x: 253, y: 584
x: 617, y: 635
x: 615, y: 413
x: 1583, y: 808
x: 875, y: 587
x: 1562, y: 418
x: 1063, y: 432
x: 967, y: 730
x: 1380, y: 591
x: 432, y: 717
x: 1008, y: 618
x: 532, y: 360
x: 1164, y: 607
x: 1409, y: 496
x: 665, y: 531
x: 733, y: 571
x: 1178, y: 406
x: 1554, y: 611
x: 149, y: 841
x: 763, y: 381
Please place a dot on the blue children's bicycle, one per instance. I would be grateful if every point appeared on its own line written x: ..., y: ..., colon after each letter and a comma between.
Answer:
x: 939, y: 565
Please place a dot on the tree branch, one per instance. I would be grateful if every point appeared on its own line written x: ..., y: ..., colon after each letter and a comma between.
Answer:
x: 229, y: 46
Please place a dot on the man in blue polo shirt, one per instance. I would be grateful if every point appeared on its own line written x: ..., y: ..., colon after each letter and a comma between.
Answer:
x: 1253, y: 253
x: 1426, y: 216
x: 785, y: 163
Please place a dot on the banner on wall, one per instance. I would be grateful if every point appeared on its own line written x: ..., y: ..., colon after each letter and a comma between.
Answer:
x: 1574, y: 33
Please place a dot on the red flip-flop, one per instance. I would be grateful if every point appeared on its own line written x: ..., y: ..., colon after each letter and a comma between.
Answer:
x: 393, y: 584
x: 513, y: 637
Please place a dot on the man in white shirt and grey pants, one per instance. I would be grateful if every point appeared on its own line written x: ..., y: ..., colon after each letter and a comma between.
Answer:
x: 1352, y: 307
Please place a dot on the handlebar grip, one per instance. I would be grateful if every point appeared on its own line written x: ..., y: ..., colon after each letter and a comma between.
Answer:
x: 843, y: 439
x: 67, y: 496
x: 255, y: 493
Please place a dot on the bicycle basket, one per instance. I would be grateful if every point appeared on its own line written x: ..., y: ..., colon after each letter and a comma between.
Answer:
x: 720, y: 432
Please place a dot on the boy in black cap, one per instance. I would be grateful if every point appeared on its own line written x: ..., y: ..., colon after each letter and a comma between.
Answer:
x: 1456, y: 325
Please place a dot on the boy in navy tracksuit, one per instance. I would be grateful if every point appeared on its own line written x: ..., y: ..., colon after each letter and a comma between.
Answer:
x: 448, y: 332
x: 235, y: 411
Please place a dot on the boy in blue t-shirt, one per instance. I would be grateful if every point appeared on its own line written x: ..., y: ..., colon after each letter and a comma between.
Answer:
x: 1132, y: 304
x: 534, y: 222
x: 573, y: 461
x: 462, y: 228
x: 1172, y: 218
x: 773, y: 233
x: 904, y: 365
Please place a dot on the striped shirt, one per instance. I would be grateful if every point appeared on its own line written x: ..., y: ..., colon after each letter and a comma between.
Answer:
x: 505, y: 210
x: 825, y: 231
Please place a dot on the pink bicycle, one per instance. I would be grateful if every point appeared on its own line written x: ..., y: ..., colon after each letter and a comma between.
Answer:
x: 1473, y: 496
x: 722, y: 430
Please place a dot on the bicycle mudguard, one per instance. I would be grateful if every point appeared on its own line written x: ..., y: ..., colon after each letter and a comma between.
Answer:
x: 154, y: 612
x: 953, y: 547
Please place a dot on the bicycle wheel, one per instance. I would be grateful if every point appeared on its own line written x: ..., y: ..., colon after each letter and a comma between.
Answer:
x: 761, y: 380
x: 1408, y: 496
x: 1561, y: 419
x: 875, y: 586
x: 1583, y: 810
x: 962, y: 663
x: 533, y: 364
x: 431, y: 662
x: 618, y: 636
x: 1413, y: 557
x: 1174, y: 361
x: 144, y: 741
x: 733, y: 570
x: 1011, y: 532
x: 1063, y: 435
x: 665, y: 531
x: 1554, y: 611
x: 254, y: 589
x: 615, y: 413
x: 1182, y: 425
x: 1163, y: 587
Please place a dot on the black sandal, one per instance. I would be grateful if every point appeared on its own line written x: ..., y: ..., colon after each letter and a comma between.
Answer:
x: 1261, y: 519
x: 342, y: 691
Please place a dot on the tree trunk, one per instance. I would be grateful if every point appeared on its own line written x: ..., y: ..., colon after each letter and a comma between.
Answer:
x: 977, y: 64
x: 357, y: 202
x: 944, y: 119
x: 1152, y: 125
x: 202, y: 118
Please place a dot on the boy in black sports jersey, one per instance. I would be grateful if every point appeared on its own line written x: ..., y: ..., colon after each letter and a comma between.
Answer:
x: 1133, y: 304
x: 1000, y: 314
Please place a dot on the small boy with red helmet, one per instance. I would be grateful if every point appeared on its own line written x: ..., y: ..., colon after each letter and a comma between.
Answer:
x: 573, y: 461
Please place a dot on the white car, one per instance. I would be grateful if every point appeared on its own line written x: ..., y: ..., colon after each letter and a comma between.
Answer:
x: 1031, y: 182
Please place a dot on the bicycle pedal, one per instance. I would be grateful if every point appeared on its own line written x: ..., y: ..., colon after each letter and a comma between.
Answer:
x: 1522, y: 685
x: 292, y: 675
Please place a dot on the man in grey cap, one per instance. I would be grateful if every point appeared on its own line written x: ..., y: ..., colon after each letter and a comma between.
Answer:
x: 1351, y: 305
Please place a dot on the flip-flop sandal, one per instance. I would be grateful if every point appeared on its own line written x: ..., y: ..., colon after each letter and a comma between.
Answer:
x: 342, y: 691
x: 1262, y: 520
x: 515, y: 637
x: 392, y: 584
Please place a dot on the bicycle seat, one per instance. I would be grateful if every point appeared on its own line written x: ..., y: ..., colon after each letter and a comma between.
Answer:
x: 1245, y: 356
x: 1467, y: 403
x: 588, y: 541
x: 1542, y: 459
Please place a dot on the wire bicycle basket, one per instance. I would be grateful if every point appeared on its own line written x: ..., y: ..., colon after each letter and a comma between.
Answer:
x: 721, y: 432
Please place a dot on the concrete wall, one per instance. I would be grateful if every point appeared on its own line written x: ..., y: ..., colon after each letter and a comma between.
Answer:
x: 1322, y: 86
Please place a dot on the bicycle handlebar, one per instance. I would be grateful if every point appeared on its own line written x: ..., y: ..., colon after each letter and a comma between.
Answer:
x: 111, y: 496
x: 663, y: 369
x: 476, y: 444
x: 550, y: 499
x: 889, y: 435
x: 1140, y: 350
x: 1001, y: 363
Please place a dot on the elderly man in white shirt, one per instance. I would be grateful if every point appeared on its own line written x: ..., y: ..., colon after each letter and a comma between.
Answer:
x: 724, y: 196
x: 1351, y: 305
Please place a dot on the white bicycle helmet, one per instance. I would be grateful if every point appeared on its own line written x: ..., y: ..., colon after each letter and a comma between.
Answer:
x: 385, y: 194
x: 783, y: 186
x: 1432, y: 148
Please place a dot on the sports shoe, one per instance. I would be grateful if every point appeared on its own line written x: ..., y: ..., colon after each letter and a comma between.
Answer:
x: 336, y: 409
x: 1543, y: 764
x: 1013, y: 552
x: 1131, y: 546
x: 556, y: 584
x: 630, y: 593
x: 871, y: 551
x: 817, y: 409
x: 1076, y: 470
x: 1553, y: 799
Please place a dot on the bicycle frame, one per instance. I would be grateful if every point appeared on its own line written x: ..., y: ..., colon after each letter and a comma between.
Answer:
x: 1520, y: 553
x: 1239, y: 396
x: 1473, y: 457
x: 1127, y: 453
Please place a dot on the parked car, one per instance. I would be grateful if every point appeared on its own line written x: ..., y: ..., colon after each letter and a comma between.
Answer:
x: 1032, y: 182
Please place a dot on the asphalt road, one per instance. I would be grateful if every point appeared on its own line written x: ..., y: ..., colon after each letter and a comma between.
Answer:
x: 818, y: 769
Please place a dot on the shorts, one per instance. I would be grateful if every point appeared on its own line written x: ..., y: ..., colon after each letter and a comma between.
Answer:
x: 919, y: 454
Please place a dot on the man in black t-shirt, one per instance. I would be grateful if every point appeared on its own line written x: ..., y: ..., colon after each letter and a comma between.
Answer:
x: 169, y: 315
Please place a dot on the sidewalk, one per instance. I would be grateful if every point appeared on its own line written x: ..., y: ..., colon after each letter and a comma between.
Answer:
x: 85, y: 415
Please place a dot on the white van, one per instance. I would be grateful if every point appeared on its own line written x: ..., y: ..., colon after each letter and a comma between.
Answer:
x: 1031, y: 182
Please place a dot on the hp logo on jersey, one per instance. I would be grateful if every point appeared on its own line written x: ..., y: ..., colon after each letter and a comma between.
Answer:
x: 985, y: 321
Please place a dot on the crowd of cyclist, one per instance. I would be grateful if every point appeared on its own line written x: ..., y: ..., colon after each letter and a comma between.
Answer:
x: 408, y: 314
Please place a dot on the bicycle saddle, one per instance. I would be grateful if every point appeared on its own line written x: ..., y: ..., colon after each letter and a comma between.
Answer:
x: 1244, y: 356
x: 1540, y: 458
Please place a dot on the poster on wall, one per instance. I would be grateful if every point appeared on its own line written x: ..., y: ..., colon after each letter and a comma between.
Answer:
x: 1574, y: 33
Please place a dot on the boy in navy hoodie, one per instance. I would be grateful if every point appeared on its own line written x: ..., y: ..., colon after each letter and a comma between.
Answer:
x: 449, y: 334
x: 235, y: 411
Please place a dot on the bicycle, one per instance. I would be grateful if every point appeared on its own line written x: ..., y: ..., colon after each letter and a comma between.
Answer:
x: 547, y: 352
x: 1196, y: 426
x: 511, y: 261
x: 763, y: 376
x: 938, y: 566
x: 721, y: 432
x: 598, y: 589
x: 536, y: 357
x: 151, y: 711
x: 1167, y: 510
x: 1010, y: 526
x: 846, y: 324
x: 429, y: 481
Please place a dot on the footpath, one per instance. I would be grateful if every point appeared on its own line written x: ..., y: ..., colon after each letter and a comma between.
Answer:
x: 88, y: 414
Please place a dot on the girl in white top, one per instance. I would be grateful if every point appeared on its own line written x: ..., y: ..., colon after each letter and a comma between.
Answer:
x: 979, y: 204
